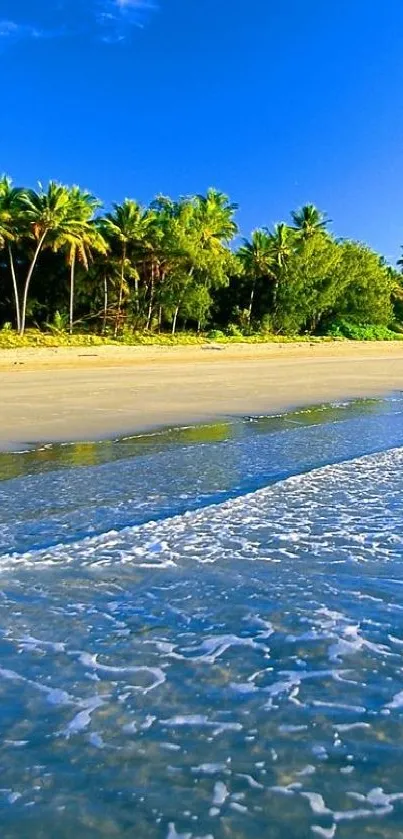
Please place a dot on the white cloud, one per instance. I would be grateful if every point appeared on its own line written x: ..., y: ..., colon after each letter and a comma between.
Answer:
x: 7, y: 28
x: 115, y: 18
x: 12, y: 31
x: 110, y: 20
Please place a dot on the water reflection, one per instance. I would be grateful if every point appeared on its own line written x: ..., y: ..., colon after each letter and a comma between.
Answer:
x: 87, y: 453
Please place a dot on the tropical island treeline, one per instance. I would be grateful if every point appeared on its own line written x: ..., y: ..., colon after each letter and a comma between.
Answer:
x: 181, y: 265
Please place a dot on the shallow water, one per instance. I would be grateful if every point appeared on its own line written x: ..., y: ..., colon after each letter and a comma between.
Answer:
x: 202, y: 632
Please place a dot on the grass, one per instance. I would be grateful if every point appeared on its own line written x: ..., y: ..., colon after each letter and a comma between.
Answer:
x: 34, y: 338
x: 9, y: 339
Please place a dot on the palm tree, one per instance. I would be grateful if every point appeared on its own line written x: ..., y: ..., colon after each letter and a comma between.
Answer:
x: 10, y: 209
x: 126, y: 226
x: 281, y: 248
x: 281, y: 244
x: 216, y: 215
x: 257, y: 260
x: 308, y: 220
x: 214, y: 226
x: 155, y: 253
x: 80, y: 236
x: 170, y: 240
x: 44, y: 214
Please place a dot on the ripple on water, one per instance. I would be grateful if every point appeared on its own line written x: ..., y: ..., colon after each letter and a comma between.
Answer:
x: 231, y: 672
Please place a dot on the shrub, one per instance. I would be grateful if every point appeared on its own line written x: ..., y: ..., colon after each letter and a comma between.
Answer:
x: 216, y: 335
x: 234, y: 331
x: 362, y: 331
x: 59, y: 324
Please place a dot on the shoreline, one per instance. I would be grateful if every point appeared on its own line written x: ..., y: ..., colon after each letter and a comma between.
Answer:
x: 71, y: 394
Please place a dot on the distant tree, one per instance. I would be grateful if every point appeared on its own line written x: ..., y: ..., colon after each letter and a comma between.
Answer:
x: 174, y: 264
x: 308, y: 220
x: 10, y: 217
x: 194, y: 234
x: 258, y: 260
x: 43, y: 215
x: 214, y: 228
x: 216, y: 216
x: 127, y: 227
x: 282, y: 246
x: 79, y: 237
x: 196, y: 305
x: 365, y: 285
x: 308, y: 289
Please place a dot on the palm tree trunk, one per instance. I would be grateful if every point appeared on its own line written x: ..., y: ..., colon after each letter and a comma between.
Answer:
x: 119, y: 309
x: 190, y: 275
x: 174, y: 320
x: 15, y: 287
x: 72, y: 271
x: 276, y: 285
x: 251, y: 299
x: 136, y: 294
x: 161, y: 281
x: 150, y: 305
x: 105, y: 305
x: 122, y: 280
x: 28, y: 281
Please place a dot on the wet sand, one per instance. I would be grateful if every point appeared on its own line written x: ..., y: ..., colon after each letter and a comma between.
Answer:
x: 81, y: 393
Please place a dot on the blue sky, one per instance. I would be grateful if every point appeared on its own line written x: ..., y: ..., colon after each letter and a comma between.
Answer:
x: 275, y: 103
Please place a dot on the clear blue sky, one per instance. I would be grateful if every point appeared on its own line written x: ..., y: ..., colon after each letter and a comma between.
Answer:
x: 275, y: 103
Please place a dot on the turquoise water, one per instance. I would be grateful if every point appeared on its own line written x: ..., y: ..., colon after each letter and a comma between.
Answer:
x: 201, y: 631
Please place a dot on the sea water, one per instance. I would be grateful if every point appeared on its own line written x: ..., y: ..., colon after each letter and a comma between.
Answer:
x: 201, y: 631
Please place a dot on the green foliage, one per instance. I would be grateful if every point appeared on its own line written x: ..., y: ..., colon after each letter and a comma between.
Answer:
x: 325, y: 279
x: 307, y: 288
x: 9, y: 339
x: 309, y: 220
x: 363, y: 332
x: 140, y: 274
x: 216, y: 335
x: 59, y: 324
x: 266, y: 324
x: 196, y: 304
x: 364, y: 286
x: 36, y: 338
x: 234, y: 331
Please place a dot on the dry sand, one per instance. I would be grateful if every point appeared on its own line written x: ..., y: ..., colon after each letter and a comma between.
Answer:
x: 89, y: 393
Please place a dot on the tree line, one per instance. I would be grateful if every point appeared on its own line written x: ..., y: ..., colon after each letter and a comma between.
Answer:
x: 181, y: 264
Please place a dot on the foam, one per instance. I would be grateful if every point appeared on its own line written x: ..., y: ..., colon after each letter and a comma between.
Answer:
x: 220, y: 794
x: 209, y: 768
x: 55, y: 696
x: 91, y: 660
x: 396, y: 702
x: 199, y: 647
x: 291, y: 501
x: 250, y: 781
x: 316, y: 803
x: 83, y: 719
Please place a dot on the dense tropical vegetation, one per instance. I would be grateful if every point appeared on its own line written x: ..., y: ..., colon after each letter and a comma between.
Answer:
x: 67, y: 267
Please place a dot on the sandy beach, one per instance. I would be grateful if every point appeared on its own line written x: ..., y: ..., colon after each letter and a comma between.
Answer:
x: 83, y: 393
